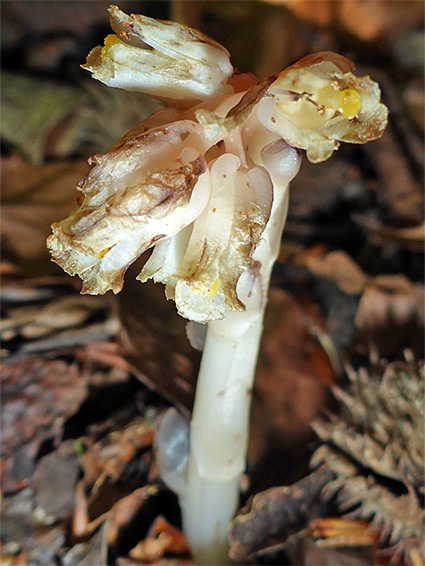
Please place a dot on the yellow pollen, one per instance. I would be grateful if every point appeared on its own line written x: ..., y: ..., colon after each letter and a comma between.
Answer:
x: 109, y: 40
x: 212, y: 291
x: 102, y: 254
x: 350, y: 103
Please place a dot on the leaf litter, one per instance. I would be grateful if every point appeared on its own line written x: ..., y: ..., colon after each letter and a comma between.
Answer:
x: 78, y: 420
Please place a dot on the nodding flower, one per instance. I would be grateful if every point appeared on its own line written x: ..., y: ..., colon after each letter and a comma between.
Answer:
x: 204, y: 182
x: 164, y: 59
x: 197, y: 183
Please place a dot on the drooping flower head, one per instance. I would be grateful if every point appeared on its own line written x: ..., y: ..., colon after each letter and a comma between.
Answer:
x: 164, y: 59
x: 199, y: 183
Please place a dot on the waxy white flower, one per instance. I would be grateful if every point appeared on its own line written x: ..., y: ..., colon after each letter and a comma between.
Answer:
x: 199, y: 184
x: 164, y: 59
x: 204, y: 214
x: 318, y: 102
x: 206, y: 186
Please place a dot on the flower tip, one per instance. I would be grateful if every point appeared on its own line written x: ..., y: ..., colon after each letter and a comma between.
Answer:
x: 318, y: 102
x: 167, y: 60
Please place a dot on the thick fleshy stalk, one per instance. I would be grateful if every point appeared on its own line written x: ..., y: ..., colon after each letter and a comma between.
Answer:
x: 219, y: 427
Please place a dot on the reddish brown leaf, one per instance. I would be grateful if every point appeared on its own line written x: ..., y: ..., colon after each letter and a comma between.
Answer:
x: 155, y: 342
x: 343, y: 532
x: 32, y: 198
x: 162, y: 539
x: 131, y: 518
x: 110, y: 455
x: 391, y: 315
x: 37, y: 397
x: 292, y: 377
x: 338, y: 267
x: 54, y: 481
x: 367, y: 19
x: 274, y: 514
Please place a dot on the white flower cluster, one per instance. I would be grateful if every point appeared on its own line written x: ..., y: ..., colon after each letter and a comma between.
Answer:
x: 197, y: 179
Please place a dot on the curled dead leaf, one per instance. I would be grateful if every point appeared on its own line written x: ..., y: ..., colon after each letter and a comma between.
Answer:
x: 337, y: 266
x: 391, y: 315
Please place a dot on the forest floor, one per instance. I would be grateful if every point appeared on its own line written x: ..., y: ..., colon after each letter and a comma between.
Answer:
x: 84, y: 378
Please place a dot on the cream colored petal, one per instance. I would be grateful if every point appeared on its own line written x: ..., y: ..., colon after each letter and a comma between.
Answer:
x: 318, y: 102
x: 164, y: 59
x: 135, y: 196
x: 223, y: 240
x: 202, y: 264
x: 216, y: 126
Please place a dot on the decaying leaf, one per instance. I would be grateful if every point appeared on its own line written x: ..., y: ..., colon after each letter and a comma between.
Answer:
x: 376, y: 451
x: 274, y: 514
x: 290, y: 389
x: 369, y: 20
x: 337, y: 266
x: 371, y: 462
x: 409, y: 238
x: 30, y: 109
x: 108, y: 458
x: 37, y: 398
x: 336, y: 532
x: 391, y: 315
x: 162, y: 538
x: 37, y: 321
x: 54, y: 481
x: 32, y: 197
x: 149, y: 325
x: 131, y: 518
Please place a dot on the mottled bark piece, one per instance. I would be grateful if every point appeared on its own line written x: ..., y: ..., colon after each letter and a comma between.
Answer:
x: 275, y: 513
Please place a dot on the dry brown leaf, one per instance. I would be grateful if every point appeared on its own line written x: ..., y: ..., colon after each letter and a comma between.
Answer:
x: 399, y: 189
x: 54, y: 481
x: 155, y: 342
x: 273, y: 514
x: 301, y: 549
x: 37, y: 397
x: 32, y: 198
x: 411, y: 239
x: 110, y: 455
x: 338, y: 267
x: 369, y: 20
x: 62, y: 313
x: 293, y: 374
x: 131, y: 518
x: 391, y: 315
x: 337, y: 532
x: 162, y: 539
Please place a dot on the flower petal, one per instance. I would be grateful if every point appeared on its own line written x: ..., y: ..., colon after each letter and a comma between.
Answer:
x: 214, y: 125
x: 223, y: 241
x: 318, y: 102
x: 131, y: 202
x: 164, y: 59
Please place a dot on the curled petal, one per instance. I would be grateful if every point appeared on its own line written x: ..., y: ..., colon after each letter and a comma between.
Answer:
x: 216, y: 126
x: 164, y: 59
x: 318, y: 102
x: 131, y: 202
x: 201, y: 269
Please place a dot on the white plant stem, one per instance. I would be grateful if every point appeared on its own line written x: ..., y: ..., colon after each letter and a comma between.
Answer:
x: 220, y: 422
